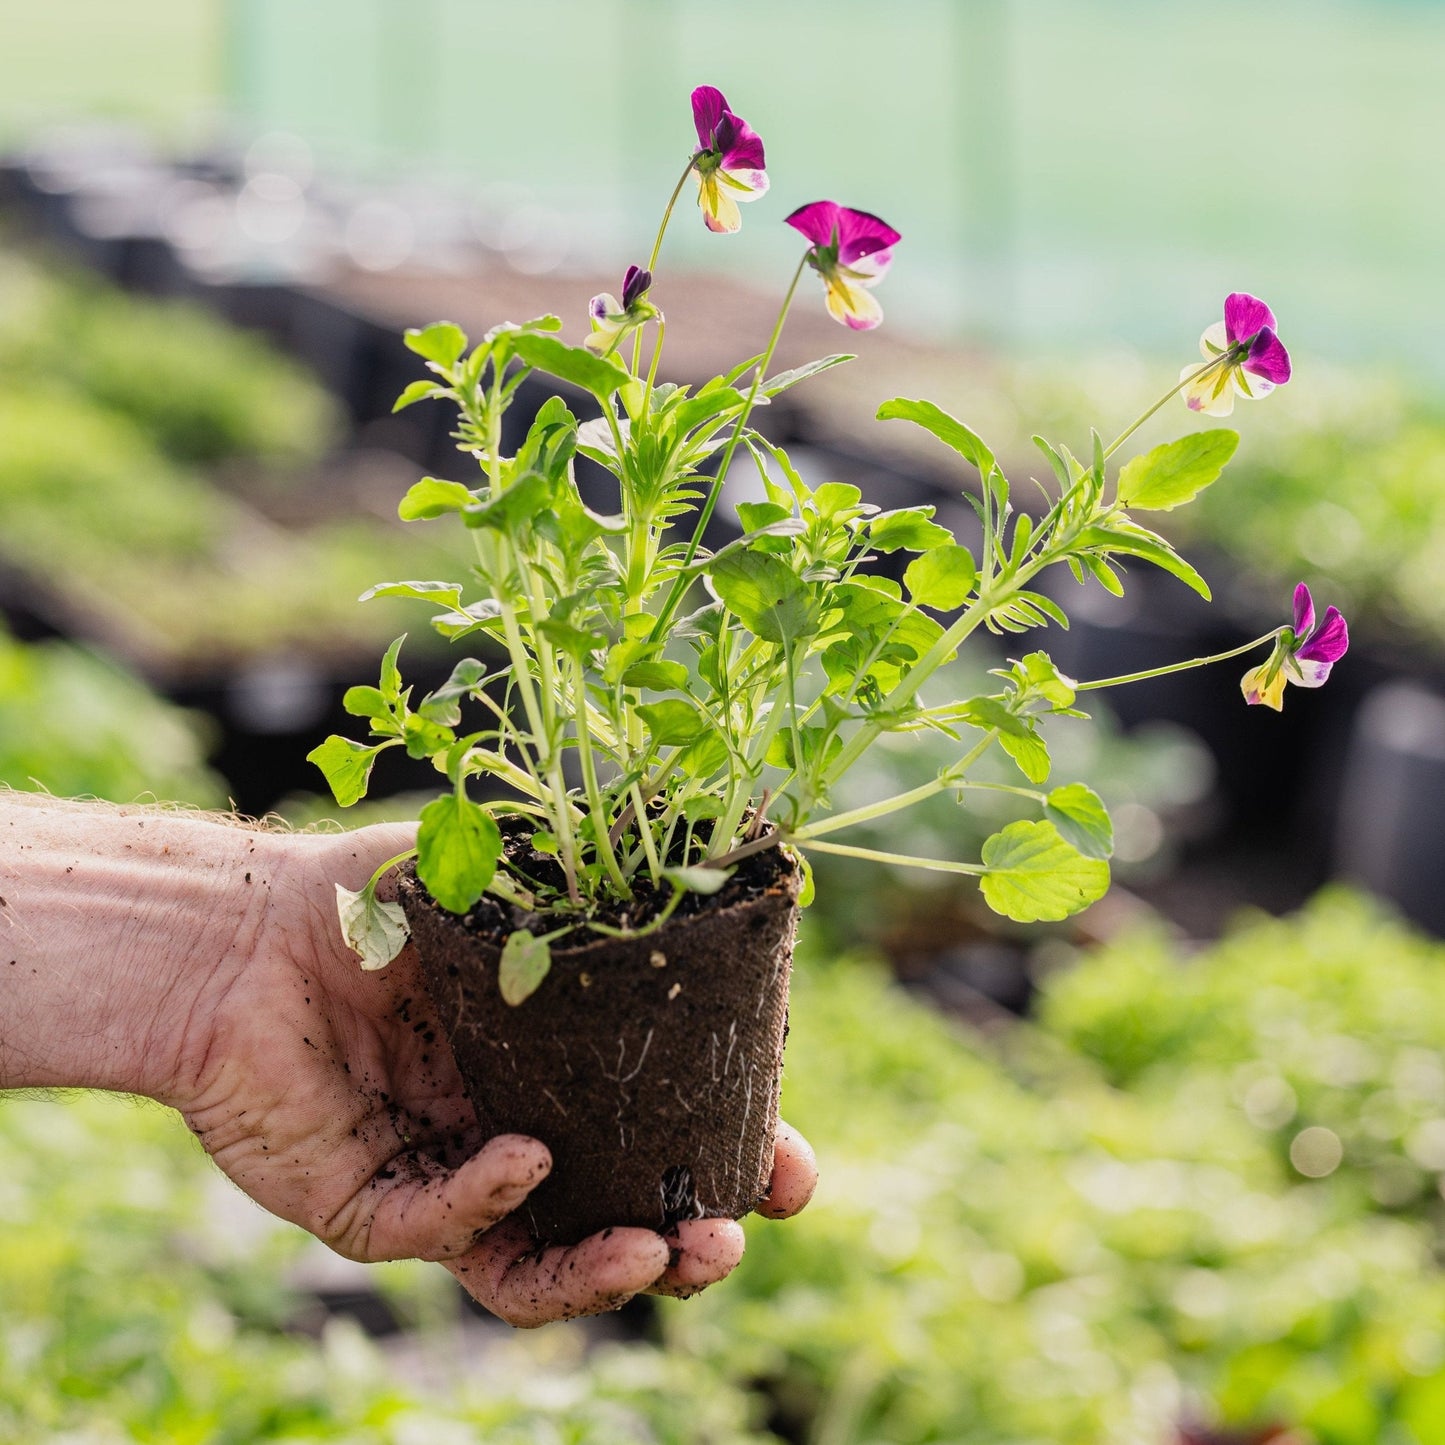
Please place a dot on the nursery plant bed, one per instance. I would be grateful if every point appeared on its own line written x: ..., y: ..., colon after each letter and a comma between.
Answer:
x: 649, y: 1066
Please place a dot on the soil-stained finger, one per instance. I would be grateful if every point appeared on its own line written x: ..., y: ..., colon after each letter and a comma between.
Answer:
x: 795, y: 1175
x: 533, y: 1288
x: 427, y: 1212
x: 703, y: 1252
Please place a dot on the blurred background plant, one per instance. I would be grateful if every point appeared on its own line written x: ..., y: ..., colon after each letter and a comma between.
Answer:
x: 1149, y: 1178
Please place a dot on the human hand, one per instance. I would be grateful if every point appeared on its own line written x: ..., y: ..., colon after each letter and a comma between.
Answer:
x: 330, y: 1095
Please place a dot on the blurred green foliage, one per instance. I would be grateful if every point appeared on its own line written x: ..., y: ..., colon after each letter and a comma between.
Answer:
x: 74, y: 723
x: 1005, y: 1248
x: 1080, y: 1230
x: 201, y: 390
x: 106, y: 403
x: 140, y: 1306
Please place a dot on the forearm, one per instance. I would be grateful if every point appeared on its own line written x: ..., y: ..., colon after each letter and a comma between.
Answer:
x: 116, y: 927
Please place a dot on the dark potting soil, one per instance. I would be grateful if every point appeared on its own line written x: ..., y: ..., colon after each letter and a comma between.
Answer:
x: 751, y: 878
x: 649, y: 1066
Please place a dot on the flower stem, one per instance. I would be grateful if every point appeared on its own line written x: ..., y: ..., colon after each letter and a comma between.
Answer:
x: 680, y: 583
x: 656, y: 252
x: 667, y: 215
x: 1224, y: 357
x: 1178, y: 666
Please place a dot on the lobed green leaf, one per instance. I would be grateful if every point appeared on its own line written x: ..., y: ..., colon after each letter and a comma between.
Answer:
x: 1035, y: 876
x: 1176, y: 472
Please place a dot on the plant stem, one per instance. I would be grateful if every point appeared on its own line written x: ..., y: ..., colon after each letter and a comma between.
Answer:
x: 1187, y: 380
x: 667, y: 215
x: 657, y: 251
x: 950, y: 777
x: 594, y: 793
x: 680, y: 583
x: 1177, y: 666
x: 873, y: 855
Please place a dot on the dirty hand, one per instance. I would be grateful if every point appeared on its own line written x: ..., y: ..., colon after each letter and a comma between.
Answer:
x: 201, y: 963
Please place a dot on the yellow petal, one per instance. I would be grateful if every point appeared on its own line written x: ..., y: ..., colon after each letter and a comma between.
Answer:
x: 856, y: 308
x: 1211, y: 394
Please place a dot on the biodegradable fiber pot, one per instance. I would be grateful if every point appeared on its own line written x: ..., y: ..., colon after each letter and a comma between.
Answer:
x: 650, y: 1067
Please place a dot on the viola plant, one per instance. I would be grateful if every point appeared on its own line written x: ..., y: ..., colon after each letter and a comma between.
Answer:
x: 1303, y: 654
x: 658, y: 710
x: 1246, y: 358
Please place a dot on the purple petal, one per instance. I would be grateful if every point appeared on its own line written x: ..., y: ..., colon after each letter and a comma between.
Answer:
x: 1304, y: 611
x: 1245, y: 316
x: 1330, y: 643
x: 634, y: 286
x: 861, y: 234
x: 740, y: 144
x: 708, y: 108
x: 818, y: 221
x: 1268, y: 358
x: 600, y: 307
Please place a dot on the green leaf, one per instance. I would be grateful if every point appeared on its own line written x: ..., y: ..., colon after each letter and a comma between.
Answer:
x: 907, y: 530
x: 703, y: 757
x: 1034, y: 876
x: 528, y: 496
x: 425, y: 737
x: 1079, y: 814
x: 525, y: 962
x: 949, y: 430
x: 366, y: 702
x: 834, y: 497
x: 375, y: 930
x: 659, y: 676
x: 599, y: 375
x: 418, y: 391
x: 1176, y: 472
x: 756, y: 515
x: 1140, y: 542
x: 1060, y: 467
x: 442, y: 342
x: 432, y: 497
x: 457, y: 847
x: 1043, y: 678
x: 765, y: 595
x: 809, y: 889
x: 671, y: 721
x: 1017, y: 736
x: 444, y: 705
x: 390, y: 678
x: 699, y: 879
x: 784, y: 379
x: 449, y: 594
x: 346, y: 765
x: 942, y: 577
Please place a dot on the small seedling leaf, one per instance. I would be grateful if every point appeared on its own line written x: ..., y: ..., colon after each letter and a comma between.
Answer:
x: 525, y: 962
x: 375, y: 930
x: 698, y: 879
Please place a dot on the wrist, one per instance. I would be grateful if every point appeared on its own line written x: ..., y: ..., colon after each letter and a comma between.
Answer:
x: 119, y: 931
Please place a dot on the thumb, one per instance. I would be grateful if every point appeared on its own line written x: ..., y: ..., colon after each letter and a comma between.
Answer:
x: 358, y: 855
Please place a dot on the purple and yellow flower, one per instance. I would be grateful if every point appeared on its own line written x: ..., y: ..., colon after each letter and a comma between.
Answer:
x: 613, y: 319
x: 728, y: 162
x: 1303, y: 654
x: 1251, y: 358
x: 852, y: 251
